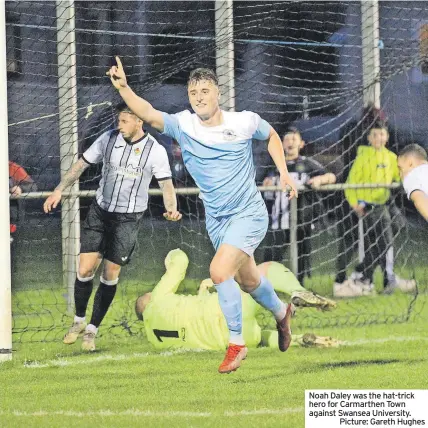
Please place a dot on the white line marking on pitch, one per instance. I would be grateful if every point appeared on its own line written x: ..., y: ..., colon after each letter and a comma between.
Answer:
x: 130, y: 412
x: 382, y: 340
x: 265, y: 412
x: 65, y: 361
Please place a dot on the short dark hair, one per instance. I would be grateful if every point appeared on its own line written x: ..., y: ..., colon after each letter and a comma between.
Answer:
x: 379, y: 124
x: 199, y: 74
x: 123, y: 108
x: 415, y: 150
x: 292, y: 130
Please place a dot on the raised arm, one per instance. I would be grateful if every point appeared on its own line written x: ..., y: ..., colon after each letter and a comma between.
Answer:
x: 69, y: 178
x: 176, y: 263
x: 276, y: 152
x: 141, y: 108
x: 421, y: 202
x: 169, y: 200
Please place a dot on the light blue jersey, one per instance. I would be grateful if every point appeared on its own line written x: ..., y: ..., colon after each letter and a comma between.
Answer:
x: 220, y: 158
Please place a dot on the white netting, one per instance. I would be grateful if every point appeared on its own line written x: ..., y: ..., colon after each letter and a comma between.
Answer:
x: 295, y: 63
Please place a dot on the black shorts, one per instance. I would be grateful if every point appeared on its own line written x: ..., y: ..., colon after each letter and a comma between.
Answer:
x: 113, y: 235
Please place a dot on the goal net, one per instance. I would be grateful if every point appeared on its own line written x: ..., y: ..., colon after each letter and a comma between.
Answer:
x: 302, y: 64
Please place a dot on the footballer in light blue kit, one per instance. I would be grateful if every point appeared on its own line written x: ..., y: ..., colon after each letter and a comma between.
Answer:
x: 217, y: 151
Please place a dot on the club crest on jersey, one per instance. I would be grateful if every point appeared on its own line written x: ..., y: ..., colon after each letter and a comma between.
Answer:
x: 229, y: 135
x: 137, y: 150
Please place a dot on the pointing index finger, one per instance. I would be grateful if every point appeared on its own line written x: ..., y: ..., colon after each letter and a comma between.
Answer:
x: 119, y: 62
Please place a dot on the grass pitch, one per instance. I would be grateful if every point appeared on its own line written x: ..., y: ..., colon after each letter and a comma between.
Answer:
x: 127, y: 383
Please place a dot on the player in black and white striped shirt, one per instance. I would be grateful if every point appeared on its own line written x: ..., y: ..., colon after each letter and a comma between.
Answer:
x: 413, y: 166
x: 131, y: 157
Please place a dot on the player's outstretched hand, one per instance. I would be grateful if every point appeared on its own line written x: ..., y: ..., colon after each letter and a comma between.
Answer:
x: 173, y: 215
x: 52, y: 201
x: 177, y: 259
x: 288, y: 186
x: 117, y: 75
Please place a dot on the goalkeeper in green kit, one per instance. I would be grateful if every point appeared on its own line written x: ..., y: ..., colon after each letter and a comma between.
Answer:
x: 188, y: 321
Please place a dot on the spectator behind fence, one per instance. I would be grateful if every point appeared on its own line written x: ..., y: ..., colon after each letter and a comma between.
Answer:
x: 305, y: 171
x: 354, y: 135
x: 19, y: 182
x: 374, y: 164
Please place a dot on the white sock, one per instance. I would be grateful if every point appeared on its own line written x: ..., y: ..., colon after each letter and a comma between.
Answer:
x: 280, y: 314
x: 79, y: 319
x: 237, y: 339
x: 91, y: 328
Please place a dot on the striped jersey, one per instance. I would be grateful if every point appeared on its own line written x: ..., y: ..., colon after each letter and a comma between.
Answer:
x: 127, y: 170
x: 301, y: 170
x: 220, y: 158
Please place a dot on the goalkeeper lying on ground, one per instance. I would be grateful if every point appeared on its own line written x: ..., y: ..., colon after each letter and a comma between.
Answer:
x: 187, y: 321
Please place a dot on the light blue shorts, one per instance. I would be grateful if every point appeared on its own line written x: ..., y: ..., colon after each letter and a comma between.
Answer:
x: 244, y: 230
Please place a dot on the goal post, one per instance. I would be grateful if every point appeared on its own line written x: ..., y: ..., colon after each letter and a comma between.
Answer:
x: 225, y: 58
x: 68, y: 141
x: 371, y: 74
x: 370, y: 52
x: 5, y: 283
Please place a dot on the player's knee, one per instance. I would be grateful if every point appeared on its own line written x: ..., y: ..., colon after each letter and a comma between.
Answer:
x: 248, y: 288
x: 111, y: 271
x: 218, y: 275
x: 85, y: 273
x: 250, y: 284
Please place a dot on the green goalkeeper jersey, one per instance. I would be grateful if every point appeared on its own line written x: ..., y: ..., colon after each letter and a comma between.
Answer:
x: 174, y: 320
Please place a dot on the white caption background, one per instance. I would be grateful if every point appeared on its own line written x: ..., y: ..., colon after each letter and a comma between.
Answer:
x: 366, y: 408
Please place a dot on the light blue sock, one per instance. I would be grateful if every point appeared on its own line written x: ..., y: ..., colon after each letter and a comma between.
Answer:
x: 265, y: 296
x: 229, y: 297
